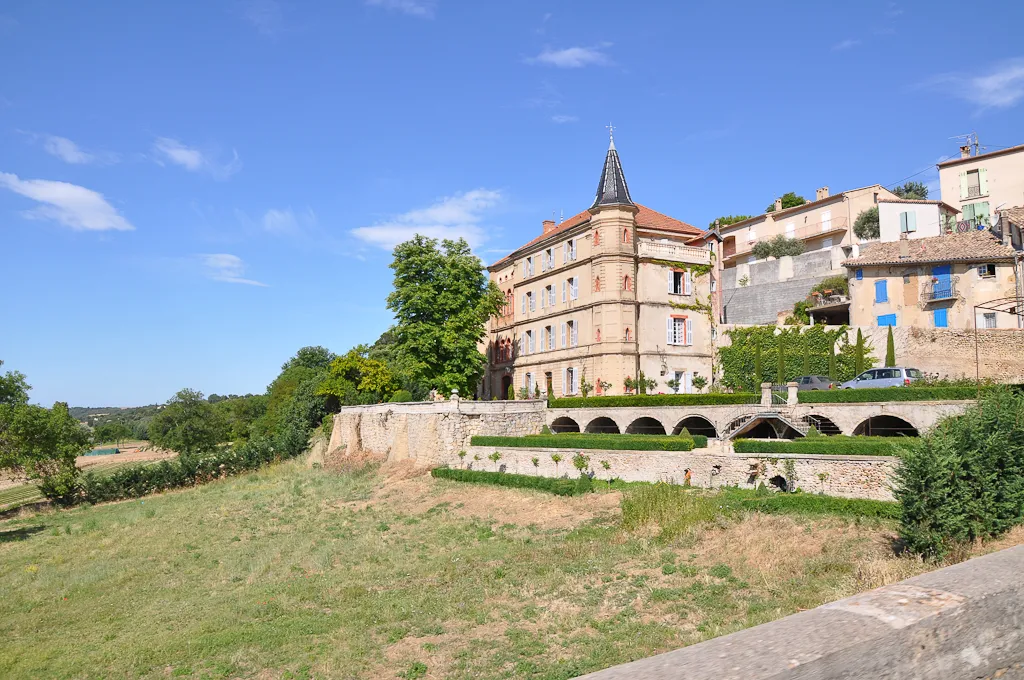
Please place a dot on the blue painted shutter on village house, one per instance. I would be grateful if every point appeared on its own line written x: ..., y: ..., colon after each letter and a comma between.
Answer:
x: 941, y: 317
x: 887, y: 320
x: 881, y: 291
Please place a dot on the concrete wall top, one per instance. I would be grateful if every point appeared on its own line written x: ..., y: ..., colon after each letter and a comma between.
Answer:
x: 451, y: 406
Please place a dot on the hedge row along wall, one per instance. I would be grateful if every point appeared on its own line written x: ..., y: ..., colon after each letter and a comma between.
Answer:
x: 612, y: 442
x: 889, y: 394
x: 827, y: 446
x: 657, y: 400
x: 559, y: 487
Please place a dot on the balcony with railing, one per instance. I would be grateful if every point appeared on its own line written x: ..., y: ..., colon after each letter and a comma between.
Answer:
x: 675, y: 252
x: 808, y: 232
x: 937, y: 291
x: 973, y: 191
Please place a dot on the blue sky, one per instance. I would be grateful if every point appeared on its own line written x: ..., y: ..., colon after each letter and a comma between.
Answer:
x: 191, y: 191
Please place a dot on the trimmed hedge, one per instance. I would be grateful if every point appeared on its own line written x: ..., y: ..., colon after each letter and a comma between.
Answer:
x: 838, y: 445
x: 811, y: 504
x: 559, y: 487
x: 616, y: 442
x: 656, y: 400
x: 888, y: 394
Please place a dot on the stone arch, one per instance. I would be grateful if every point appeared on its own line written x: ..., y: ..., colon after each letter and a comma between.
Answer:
x: 779, y: 482
x: 886, y: 426
x: 646, y: 425
x: 564, y: 424
x: 696, y: 425
x: 603, y: 425
x: 822, y: 424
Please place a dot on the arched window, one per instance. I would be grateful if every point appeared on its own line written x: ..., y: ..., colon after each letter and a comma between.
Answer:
x: 597, y: 284
x: 625, y: 235
x: 627, y: 283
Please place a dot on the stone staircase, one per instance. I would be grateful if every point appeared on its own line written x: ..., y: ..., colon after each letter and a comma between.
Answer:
x: 778, y: 412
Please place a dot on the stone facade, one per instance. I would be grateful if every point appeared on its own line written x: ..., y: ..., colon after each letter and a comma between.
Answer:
x: 430, y: 433
x: 950, y: 353
x: 848, y: 476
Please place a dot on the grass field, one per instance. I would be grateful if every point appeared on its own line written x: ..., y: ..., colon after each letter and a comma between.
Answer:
x: 29, y: 493
x: 299, y: 573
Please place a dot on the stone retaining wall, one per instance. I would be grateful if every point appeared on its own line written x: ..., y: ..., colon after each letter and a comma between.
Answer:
x: 848, y: 476
x: 430, y: 432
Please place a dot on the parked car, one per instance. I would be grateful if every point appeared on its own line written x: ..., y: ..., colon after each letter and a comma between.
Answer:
x: 814, y: 382
x: 894, y: 376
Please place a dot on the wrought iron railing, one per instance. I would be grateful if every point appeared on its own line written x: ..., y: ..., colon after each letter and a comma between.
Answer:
x: 938, y: 290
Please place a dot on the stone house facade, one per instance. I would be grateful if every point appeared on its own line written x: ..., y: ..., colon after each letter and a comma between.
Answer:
x: 609, y: 292
x: 980, y: 185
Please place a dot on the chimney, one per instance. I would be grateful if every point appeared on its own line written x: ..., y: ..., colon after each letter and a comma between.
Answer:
x: 778, y: 204
x: 821, y: 194
x: 548, y: 225
x: 965, y: 151
x: 904, y: 247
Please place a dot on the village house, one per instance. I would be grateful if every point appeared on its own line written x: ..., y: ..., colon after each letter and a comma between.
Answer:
x: 934, y: 282
x: 980, y: 185
x: 601, y: 297
x: 914, y: 218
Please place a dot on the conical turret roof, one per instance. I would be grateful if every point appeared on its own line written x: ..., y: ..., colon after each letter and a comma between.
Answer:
x: 612, y: 188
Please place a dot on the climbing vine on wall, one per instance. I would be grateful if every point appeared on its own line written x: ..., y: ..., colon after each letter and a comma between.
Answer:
x: 737, y: 360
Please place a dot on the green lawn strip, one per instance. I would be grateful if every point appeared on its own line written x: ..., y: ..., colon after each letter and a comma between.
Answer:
x: 289, y: 572
x: 838, y: 445
x: 655, y: 400
x: 888, y: 394
x: 621, y: 442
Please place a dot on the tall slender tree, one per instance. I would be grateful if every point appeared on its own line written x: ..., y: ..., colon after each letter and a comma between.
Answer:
x: 807, y: 356
x: 832, y: 363
x: 780, y: 374
x: 757, y: 363
x: 858, y: 360
x: 890, y: 350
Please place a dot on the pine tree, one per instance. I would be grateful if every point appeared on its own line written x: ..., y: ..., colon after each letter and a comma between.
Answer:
x: 858, y: 361
x: 807, y: 356
x: 781, y: 372
x: 757, y: 363
x: 890, y: 350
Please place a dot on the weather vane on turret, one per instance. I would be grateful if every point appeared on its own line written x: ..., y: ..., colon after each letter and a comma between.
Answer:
x: 611, y: 134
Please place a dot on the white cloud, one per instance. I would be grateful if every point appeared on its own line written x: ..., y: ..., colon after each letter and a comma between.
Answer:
x: 845, y: 45
x: 452, y: 217
x: 69, y: 204
x: 265, y: 16
x: 193, y: 159
x: 226, y: 268
x: 416, y: 8
x: 287, y: 222
x: 565, y: 119
x: 1000, y: 87
x: 573, y: 57
x: 66, y: 150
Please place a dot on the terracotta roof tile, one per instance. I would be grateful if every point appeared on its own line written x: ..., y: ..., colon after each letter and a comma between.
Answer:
x: 971, y: 246
x: 645, y: 219
x: 1016, y: 215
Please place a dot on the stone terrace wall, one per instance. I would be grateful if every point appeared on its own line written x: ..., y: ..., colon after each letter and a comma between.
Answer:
x: 430, y: 433
x: 950, y: 352
x: 849, y: 476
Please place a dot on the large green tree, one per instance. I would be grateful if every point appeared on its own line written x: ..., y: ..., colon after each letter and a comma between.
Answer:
x: 789, y: 200
x: 866, y: 224
x: 114, y: 431
x: 356, y: 379
x: 442, y: 298
x: 188, y: 424
x: 912, y: 190
x: 726, y: 220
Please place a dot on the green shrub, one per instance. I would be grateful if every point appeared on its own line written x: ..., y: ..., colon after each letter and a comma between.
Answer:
x: 559, y: 487
x: 888, y: 394
x: 810, y: 504
x: 965, y: 481
x: 656, y: 400
x: 673, y: 508
x: 401, y: 396
x: 839, y: 445
x: 617, y: 442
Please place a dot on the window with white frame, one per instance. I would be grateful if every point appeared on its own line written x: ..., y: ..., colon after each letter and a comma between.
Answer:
x: 751, y: 235
x: 549, y: 333
x: 908, y: 222
x: 522, y: 345
x: 570, y: 334
x: 531, y: 345
x: 791, y: 230
x: 679, y: 331
x: 528, y: 267
x: 680, y: 282
x: 528, y: 384
x: 550, y: 292
x: 570, y: 380
x: 989, y: 320
x: 532, y: 300
x: 986, y: 271
x: 569, y: 250
x: 574, y: 288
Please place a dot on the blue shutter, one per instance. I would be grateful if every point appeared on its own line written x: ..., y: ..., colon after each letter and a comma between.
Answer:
x: 941, y: 317
x: 887, y: 320
x: 881, y: 291
x: 860, y: 274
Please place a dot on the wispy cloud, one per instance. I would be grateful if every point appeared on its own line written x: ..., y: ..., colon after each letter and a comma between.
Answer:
x: 893, y: 10
x: 287, y: 222
x: 847, y: 44
x: 573, y: 57
x: 194, y: 159
x: 452, y: 217
x: 416, y: 8
x: 69, y: 152
x: 999, y: 87
x: 226, y: 268
x: 265, y: 16
x: 69, y: 204
x: 565, y: 119
x: 547, y: 97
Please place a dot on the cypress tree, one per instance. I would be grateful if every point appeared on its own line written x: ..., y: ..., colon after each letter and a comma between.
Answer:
x: 858, y: 359
x: 832, y: 363
x: 757, y: 363
x: 890, y: 350
x: 807, y: 355
x: 781, y: 372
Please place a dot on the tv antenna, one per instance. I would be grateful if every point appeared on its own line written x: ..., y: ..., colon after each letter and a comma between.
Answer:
x: 971, y: 140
